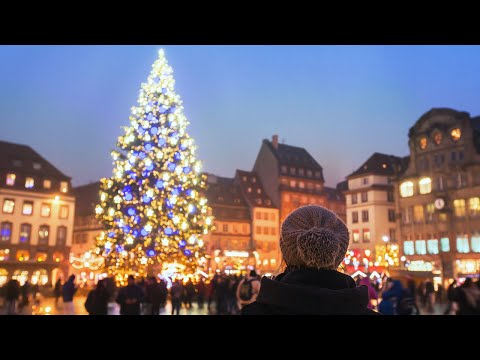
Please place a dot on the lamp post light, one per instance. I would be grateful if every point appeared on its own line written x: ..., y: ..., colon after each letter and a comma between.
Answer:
x: 385, y: 238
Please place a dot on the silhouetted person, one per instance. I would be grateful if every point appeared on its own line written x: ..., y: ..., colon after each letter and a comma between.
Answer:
x: 12, y: 293
x: 154, y: 295
x: 57, y: 290
x: 97, y: 300
x: 176, y: 294
x: 130, y: 298
x: 68, y: 291
x: 201, y: 293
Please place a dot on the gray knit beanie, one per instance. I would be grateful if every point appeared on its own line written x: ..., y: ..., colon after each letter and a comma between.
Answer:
x: 314, y: 237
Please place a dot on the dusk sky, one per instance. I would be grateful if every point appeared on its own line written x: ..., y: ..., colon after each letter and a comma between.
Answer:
x: 341, y: 103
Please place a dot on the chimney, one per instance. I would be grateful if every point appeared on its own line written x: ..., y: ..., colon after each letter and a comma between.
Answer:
x: 275, y: 141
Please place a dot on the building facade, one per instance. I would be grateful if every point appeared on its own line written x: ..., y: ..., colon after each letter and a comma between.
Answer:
x: 439, y: 195
x: 370, y: 203
x: 36, y: 220
x: 293, y: 178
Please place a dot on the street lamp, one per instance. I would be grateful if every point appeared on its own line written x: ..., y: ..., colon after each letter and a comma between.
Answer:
x: 385, y: 238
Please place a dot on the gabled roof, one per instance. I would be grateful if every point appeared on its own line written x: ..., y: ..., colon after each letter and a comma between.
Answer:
x: 380, y: 164
x: 294, y: 156
x: 21, y: 158
x: 86, y: 198
x: 256, y: 197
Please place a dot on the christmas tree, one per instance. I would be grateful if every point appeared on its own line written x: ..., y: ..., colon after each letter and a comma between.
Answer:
x: 153, y: 208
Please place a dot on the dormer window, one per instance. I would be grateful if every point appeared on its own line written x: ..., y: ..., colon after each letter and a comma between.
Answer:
x: 284, y: 169
x: 244, y: 178
x: 437, y: 137
x: 317, y: 174
x: 456, y: 134
x: 64, y: 186
x: 17, y: 163
x: 259, y: 191
x: 309, y: 173
x: 11, y: 179
x: 47, y: 184
x: 29, y: 182
x: 423, y: 142
x: 301, y: 172
x: 37, y: 166
x: 258, y: 201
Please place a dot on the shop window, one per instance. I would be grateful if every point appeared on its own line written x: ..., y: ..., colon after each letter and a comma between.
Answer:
x: 23, y: 255
x: 408, y: 248
x: 462, y: 244
x: 406, y: 189
x: 21, y: 276
x: 432, y: 246
x: 425, y: 185
x: 420, y: 247
x: 459, y: 207
x: 474, y: 206
x: 3, y: 276
x: 475, y: 243
x: 445, y: 244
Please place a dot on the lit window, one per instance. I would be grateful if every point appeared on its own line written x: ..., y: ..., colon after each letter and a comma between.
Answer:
x: 273, y: 217
x: 408, y: 248
x: 23, y: 255
x: 318, y: 174
x: 258, y: 229
x: 437, y: 137
x: 25, y: 232
x: 459, y: 207
x: 11, y: 179
x: 425, y: 185
x: 293, y: 183
x: 254, y: 179
x: 456, y: 134
x: 420, y: 247
x: 406, y: 189
x: 6, y: 232
x: 445, y: 244
x: 4, y: 256
x: 43, y: 233
x: 301, y: 185
x: 432, y: 246
x: 265, y: 216
x: 423, y: 142
x: 61, y: 235
x: 45, y: 210
x: 258, y: 215
x: 41, y: 257
x: 462, y: 244
x: 309, y: 173
x: 430, y: 212
x: 64, y: 186
x: 37, y: 166
x: 57, y: 256
x: 366, y: 235
x: 301, y: 171
x: 355, y: 236
x: 259, y: 191
x: 47, y: 184
x: 418, y: 214
x: 474, y: 205
x: 284, y: 169
x: 249, y: 190
x: 27, y: 208
x: 29, y: 182
x: 475, y: 243
x: 318, y: 187
x: 8, y: 206
x: 266, y: 230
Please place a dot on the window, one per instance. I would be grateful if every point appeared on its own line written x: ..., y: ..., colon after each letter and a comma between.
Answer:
x: 41, y: 256
x: 365, y: 215
x: 406, y: 189
x: 244, y: 178
x: 293, y: 183
x: 310, y: 186
x: 318, y: 187
x: 301, y: 185
x: 258, y: 229
x: 461, y: 155
x: 258, y: 215
x: 293, y: 171
x: 4, y: 256
x: 23, y: 255
x: 17, y: 163
x: 475, y: 240
x: 301, y: 172
x: 8, y: 206
x: 391, y: 215
x: 423, y: 142
x: 355, y: 236
x: 354, y: 199
x: 266, y: 230
x: 309, y: 173
x: 43, y: 233
x: 438, y: 159
x: 437, y: 137
x: 442, y: 217
x: 6, y: 232
x: 393, y: 235
x: 366, y: 235
x: 11, y: 179
x: 365, y: 181
x: 418, y: 214
x: 265, y: 215
x: 45, y: 210
x: 273, y: 231
x: 258, y: 201
x: 461, y: 180
x: 364, y: 197
x: 390, y: 197
x: 462, y: 244
x: 284, y: 169
x: 25, y: 233
x: 408, y: 248
x: 474, y: 206
x: 27, y: 208
x: 354, y: 217
x: 445, y: 244
x: 407, y: 215
x: 456, y: 134
x: 273, y: 217
x: 420, y: 247
x: 64, y: 186
x: 225, y: 228
x: 61, y: 235
x: 317, y: 174
x: 430, y: 212
x: 254, y: 180
x: 47, y: 184
x: 37, y: 166
x: 425, y: 185
x: 440, y: 183
x: 249, y: 189
x: 454, y: 156
x: 459, y: 207
x: 29, y: 182
x: 259, y: 191
x: 432, y: 246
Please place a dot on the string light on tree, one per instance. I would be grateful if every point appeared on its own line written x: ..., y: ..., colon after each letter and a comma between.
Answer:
x: 152, y: 208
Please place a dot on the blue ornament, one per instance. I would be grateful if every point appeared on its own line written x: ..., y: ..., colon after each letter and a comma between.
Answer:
x: 188, y: 192
x: 171, y: 167
x: 168, y: 203
x: 141, y: 130
x: 151, y: 252
x: 107, y: 251
x: 168, y: 231
x: 146, y: 199
x: 126, y: 228
x: 136, y: 219
x: 170, y: 214
x: 150, y: 103
x: 161, y: 141
x: 131, y: 211
x: 183, y: 147
x: 182, y: 243
x: 187, y: 252
x: 153, y: 130
x: 172, y: 109
x: 162, y: 109
x: 148, y: 147
x: 127, y: 189
x: 149, y: 167
x: 173, y: 134
x: 144, y: 232
x: 193, y: 210
x: 119, y: 248
x: 133, y: 175
x: 149, y: 117
x: 164, y: 90
x: 142, y: 155
x: 176, y: 190
x: 177, y: 156
x: 135, y: 233
x: 111, y: 234
x: 128, y: 196
x: 187, y: 169
x: 159, y: 184
x: 156, y: 79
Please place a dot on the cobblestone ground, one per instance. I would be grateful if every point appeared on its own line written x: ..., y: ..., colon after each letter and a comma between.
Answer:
x: 46, y: 306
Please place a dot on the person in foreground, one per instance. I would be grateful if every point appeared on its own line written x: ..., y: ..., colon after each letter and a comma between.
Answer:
x: 313, y: 243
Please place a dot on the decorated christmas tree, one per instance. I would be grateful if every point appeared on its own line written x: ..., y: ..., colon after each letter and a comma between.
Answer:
x: 152, y: 208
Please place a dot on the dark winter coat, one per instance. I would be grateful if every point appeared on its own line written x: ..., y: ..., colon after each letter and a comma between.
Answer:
x: 12, y: 290
x: 129, y: 299
x: 97, y: 302
x: 69, y: 290
x: 310, y: 292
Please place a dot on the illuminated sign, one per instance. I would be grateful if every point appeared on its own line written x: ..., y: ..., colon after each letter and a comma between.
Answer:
x: 236, y: 253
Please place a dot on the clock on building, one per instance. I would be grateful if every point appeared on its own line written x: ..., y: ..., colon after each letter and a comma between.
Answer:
x: 439, y: 204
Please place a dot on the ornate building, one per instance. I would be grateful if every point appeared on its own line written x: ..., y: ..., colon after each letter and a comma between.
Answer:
x: 293, y: 178
x: 36, y: 220
x: 439, y: 195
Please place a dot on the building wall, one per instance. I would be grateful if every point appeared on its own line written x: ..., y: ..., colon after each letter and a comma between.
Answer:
x: 265, y: 230
x: 266, y: 166
x: 291, y: 200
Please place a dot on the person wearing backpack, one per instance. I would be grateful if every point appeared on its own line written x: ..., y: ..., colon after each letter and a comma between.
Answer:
x: 248, y: 289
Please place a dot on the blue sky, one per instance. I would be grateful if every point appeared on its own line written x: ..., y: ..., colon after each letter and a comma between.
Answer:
x: 342, y: 103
